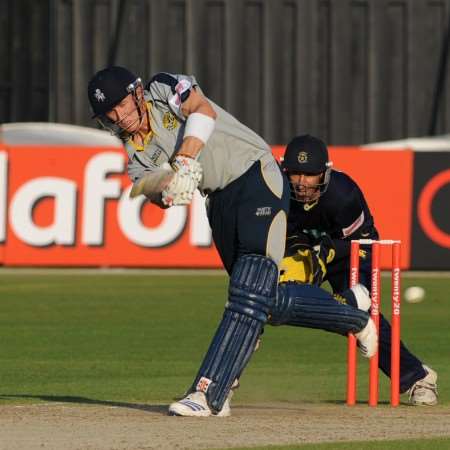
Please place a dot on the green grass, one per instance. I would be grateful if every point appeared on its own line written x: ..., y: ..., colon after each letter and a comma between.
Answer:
x: 410, y: 444
x: 140, y: 338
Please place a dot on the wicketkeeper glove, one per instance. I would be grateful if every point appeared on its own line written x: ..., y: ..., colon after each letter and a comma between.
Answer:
x: 297, y: 268
x: 324, y: 253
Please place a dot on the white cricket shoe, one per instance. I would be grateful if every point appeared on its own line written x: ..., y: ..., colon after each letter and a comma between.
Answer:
x: 424, y: 391
x: 195, y: 405
x: 368, y: 339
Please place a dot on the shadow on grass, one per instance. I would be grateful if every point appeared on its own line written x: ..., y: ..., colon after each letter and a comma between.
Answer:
x: 161, y: 409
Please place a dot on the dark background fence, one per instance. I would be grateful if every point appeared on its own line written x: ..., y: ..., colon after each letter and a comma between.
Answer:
x: 350, y: 71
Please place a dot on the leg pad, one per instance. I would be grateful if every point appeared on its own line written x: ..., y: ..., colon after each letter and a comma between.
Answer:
x: 252, y: 293
x: 308, y: 306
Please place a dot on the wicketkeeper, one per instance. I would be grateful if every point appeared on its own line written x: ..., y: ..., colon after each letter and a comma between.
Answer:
x: 329, y: 207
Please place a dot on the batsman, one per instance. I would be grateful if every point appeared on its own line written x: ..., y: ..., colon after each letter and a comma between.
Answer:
x: 177, y: 141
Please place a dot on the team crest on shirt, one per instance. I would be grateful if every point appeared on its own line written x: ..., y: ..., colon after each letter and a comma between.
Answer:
x: 169, y: 121
x: 302, y: 157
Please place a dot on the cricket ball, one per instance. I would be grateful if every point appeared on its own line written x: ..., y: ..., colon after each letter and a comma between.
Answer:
x: 414, y: 294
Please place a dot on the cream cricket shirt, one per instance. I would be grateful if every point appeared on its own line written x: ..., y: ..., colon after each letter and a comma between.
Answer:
x: 230, y: 151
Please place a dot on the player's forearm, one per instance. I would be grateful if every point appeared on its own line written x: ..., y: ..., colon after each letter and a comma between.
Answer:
x: 191, y: 147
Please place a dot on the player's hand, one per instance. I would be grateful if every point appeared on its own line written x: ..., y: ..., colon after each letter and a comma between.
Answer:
x: 180, y: 191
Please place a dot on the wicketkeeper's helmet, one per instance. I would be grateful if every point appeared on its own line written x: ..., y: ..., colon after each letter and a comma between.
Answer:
x: 110, y: 86
x: 306, y: 154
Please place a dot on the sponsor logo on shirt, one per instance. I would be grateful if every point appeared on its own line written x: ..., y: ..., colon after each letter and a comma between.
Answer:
x: 264, y: 211
x: 182, y: 87
x: 154, y: 157
x: 175, y: 101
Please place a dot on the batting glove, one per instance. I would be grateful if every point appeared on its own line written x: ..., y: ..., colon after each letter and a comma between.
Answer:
x: 180, y: 191
x: 181, y: 163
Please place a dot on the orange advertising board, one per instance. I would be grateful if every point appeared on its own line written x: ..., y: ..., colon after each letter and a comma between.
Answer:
x: 70, y: 206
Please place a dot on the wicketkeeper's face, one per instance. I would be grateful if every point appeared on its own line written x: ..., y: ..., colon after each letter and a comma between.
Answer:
x: 306, y: 187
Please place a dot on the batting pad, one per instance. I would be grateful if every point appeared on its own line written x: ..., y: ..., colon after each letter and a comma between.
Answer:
x: 252, y: 292
x: 304, y: 305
